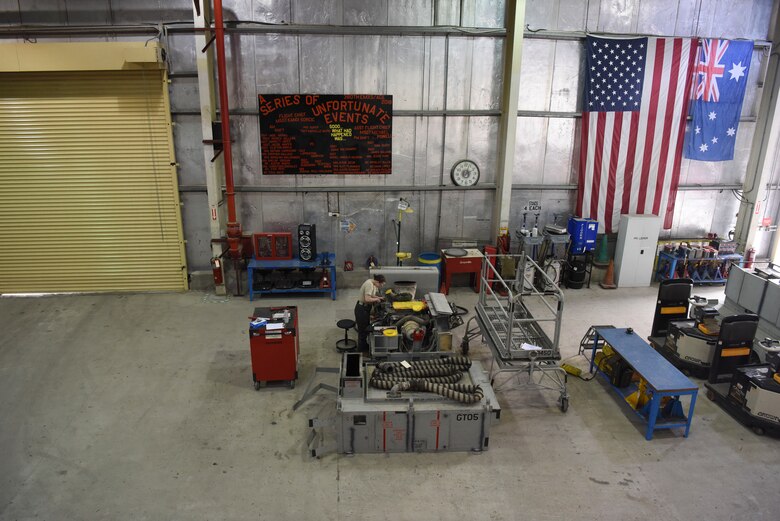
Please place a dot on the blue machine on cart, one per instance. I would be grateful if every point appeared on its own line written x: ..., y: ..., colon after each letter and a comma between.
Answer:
x: 583, y: 234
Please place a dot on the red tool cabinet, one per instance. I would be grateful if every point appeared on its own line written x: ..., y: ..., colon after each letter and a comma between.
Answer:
x: 273, y: 246
x: 470, y: 263
x: 275, y: 351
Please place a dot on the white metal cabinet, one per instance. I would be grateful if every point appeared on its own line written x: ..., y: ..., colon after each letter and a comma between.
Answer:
x: 636, y: 250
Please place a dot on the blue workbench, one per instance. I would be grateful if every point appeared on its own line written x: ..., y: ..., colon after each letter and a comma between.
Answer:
x: 663, y: 379
x: 330, y: 265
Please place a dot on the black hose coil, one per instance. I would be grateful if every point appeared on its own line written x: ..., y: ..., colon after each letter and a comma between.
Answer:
x: 450, y: 379
x: 437, y: 376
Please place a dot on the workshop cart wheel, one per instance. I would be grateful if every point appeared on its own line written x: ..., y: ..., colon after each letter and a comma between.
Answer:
x: 292, y: 384
x: 564, y: 404
x: 257, y: 385
x: 711, y: 395
x: 758, y: 430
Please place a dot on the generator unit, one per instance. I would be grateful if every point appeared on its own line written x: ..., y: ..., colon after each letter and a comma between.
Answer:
x: 748, y: 392
x: 381, y: 414
x: 685, y: 328
x: 754, y: 388
x: 404, y: 330
x: 689, y: 344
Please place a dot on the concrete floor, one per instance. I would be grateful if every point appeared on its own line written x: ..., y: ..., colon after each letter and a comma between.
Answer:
x: 141, y: 407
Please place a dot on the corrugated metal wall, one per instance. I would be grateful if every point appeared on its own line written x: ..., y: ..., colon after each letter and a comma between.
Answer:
x: 88, y: 195
x: 418, y: 71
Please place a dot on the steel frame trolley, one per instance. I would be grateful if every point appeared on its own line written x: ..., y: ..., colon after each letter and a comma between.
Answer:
x: 520, y: 321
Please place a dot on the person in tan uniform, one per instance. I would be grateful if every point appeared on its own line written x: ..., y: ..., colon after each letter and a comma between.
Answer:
x: 367, y: 297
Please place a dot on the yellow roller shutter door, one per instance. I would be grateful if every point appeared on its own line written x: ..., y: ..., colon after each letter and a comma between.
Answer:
x: 88, y: 193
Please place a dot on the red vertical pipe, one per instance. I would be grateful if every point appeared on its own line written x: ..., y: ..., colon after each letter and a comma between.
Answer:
x: 233, y: 227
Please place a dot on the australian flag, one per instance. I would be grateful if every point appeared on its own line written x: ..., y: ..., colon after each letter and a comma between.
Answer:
x: 720, y: 76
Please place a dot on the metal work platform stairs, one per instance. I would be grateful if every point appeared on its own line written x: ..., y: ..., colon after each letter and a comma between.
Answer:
x: 520, y: 321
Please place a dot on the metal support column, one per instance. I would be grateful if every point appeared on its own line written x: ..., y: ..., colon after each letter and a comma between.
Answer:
x: 762, y: 151
x: 513, y: 51
x: 204, y: 54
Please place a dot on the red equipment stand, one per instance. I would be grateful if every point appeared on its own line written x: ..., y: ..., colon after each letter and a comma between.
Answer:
x: 491, y: 253
x: 275, y: 351
x: 470, y: 263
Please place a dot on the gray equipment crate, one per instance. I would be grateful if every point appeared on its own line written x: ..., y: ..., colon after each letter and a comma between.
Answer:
x: 369, y: 420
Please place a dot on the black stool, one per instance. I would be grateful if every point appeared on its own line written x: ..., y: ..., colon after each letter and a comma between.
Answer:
x: 346, y: 344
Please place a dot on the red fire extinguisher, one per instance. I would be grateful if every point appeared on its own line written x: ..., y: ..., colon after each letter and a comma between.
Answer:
x: 750, y: 256
x: 216, y: 270
x: 503, y: 243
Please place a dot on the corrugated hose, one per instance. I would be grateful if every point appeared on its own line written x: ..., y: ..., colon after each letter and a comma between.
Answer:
x: 432, y: 376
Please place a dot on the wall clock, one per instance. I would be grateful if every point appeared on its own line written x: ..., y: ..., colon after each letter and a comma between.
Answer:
x: 465, y: 173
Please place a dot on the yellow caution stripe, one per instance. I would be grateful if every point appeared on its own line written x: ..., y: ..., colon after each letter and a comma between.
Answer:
x: 735, y: 351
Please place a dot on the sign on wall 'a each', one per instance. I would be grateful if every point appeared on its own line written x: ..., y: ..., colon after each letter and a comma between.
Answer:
x: 326, y: 134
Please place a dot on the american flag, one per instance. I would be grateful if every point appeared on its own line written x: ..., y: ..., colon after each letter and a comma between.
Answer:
x: 633, y: 122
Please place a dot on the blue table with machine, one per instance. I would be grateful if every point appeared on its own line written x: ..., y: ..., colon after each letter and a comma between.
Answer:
x: 663, y: 380
x: 323, y: 261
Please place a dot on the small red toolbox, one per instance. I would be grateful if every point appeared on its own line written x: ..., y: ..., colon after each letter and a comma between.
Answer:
x: 274, y: 346
x: 272, y: 246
